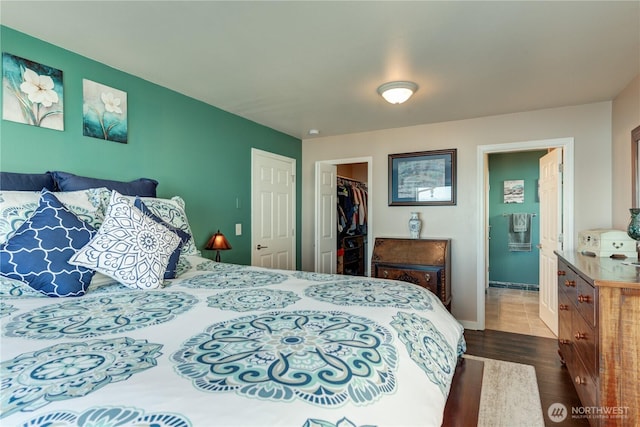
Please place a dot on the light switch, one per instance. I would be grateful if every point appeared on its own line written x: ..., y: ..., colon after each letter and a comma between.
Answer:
x: 238, y: 229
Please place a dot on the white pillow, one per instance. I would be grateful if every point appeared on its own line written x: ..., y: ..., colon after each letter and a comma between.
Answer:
x: 17, y: 206
x: 172, y: 211
x: 129, y: 247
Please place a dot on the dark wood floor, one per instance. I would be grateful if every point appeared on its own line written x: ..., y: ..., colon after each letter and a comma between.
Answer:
x: 553, y: 378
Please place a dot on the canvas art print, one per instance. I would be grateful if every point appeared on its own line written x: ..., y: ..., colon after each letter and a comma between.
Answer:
x: 104, y: 112
x: 514, y: 191
x: 32, y: 93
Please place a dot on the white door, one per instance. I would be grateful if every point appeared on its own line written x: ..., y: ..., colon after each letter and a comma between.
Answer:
x: 326, y: 218
x: 550, y: 187
x: 273, y: 215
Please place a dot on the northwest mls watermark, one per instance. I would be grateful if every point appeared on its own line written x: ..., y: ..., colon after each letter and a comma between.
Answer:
x: 558, y: 412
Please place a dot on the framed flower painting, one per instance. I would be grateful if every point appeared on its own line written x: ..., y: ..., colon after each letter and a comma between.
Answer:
x: 32, y: 93
x: 104, y: 112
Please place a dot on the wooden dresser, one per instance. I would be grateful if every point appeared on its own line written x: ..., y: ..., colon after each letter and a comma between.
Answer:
x: 599, y: 336
x: 424, y: 262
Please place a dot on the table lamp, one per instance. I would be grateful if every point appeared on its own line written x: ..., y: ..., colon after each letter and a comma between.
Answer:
x: 218, y: 243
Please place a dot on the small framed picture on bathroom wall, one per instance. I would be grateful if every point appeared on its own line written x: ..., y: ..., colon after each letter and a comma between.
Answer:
x: 514, y: 191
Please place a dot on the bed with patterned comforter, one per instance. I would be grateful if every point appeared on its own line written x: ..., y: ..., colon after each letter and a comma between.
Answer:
x: 227, y: 345
x: 219, y: 345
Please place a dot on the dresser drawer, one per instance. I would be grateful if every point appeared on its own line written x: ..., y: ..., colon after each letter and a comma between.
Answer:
x: 567, y: 280
x: 565, y: 333
x: 585, y: 341
x: 430, y: 278
x: 585, y: 384
x: 586, y: 301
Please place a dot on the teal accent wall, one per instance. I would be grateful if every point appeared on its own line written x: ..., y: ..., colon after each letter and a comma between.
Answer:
x: 506, y: 266
x: 194, y: 150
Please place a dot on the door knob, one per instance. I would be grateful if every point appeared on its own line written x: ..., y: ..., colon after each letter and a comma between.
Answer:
x: 261, y: 247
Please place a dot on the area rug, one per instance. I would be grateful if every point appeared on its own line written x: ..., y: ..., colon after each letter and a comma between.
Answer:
x: 510, y: 395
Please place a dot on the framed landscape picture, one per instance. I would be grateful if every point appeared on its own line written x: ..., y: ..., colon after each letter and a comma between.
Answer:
x: 423, y: 178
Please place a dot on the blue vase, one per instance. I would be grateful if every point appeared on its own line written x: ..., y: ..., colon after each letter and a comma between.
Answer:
x: 633, y: 230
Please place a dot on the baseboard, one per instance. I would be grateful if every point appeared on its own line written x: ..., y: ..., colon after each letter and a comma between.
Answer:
x: 519, y: 286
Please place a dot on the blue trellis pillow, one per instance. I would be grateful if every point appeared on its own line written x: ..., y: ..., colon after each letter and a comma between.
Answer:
x: 129, y: 247
x: 38, y: 253
x: 172, y: 267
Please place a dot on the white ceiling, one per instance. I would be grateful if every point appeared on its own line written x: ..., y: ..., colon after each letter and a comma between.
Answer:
x: 293, y: 66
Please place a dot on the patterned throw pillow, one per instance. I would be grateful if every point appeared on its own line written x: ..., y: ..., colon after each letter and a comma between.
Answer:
x: 17, y: 206
x: 38, y: 253
x: 172, y: 211
x: 130, y: 247
x: 172, y: 267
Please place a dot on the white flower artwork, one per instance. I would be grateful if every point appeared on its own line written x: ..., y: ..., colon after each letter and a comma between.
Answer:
x: 104, y: 112
x: 32, y: 93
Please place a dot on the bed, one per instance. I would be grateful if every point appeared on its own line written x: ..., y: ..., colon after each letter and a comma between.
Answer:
x: 218, y: 344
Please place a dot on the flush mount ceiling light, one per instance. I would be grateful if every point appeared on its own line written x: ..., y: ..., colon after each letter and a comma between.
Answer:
x: 397, y: 92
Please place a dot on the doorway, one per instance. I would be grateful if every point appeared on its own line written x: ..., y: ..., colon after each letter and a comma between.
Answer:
x: 512, y: 295
x: 566, y: 206
x: 326, y: 235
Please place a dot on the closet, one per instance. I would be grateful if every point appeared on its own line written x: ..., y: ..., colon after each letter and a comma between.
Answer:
x: 352, y: 222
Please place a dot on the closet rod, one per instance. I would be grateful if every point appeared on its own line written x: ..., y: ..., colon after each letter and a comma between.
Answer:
x: 356, y: 182
x: 348, y: 179
x: 507, y: 214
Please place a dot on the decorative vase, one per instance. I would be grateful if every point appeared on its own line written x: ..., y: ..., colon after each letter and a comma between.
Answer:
x: 415, y: 225
x: 633, y: 230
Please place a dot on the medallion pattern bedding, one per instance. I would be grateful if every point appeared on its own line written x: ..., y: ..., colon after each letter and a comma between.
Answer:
x: 224, y: 345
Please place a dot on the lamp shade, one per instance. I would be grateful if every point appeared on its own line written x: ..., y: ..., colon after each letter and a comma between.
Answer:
x: 397, y: 92
x: 218, y: 242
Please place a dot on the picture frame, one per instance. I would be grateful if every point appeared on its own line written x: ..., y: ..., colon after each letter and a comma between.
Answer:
x: 424, y: 178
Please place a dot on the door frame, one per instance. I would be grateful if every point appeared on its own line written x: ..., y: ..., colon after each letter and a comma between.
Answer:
x: 482, y: 169
x: 369, y: 161
x: 292, y: 162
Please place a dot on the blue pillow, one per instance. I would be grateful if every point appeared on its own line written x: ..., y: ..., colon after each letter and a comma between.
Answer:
x: 13, y: 181
x: 172, y: 267
x: 143, y: 187
x: 39, y: 251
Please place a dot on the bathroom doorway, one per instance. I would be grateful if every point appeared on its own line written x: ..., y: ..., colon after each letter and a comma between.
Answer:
x: 563, y: 213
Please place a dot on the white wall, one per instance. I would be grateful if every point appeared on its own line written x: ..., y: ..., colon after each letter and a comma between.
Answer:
x: 589, y: 125
x: 626, y: 117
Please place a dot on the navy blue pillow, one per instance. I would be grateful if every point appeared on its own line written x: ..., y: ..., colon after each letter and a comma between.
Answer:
x: 13, y: 181
x: 143, y: 187
x: 184, y: 238
x: 39, y: 250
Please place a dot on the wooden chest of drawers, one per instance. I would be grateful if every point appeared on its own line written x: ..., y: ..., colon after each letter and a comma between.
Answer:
x: 598, y: 335
x: 424, y: 262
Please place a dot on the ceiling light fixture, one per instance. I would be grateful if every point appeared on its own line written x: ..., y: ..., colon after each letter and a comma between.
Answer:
x: 397, y: 92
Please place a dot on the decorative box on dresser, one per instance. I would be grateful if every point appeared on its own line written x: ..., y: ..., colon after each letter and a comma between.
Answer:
x: 599, y: 336
x: 424, y: 262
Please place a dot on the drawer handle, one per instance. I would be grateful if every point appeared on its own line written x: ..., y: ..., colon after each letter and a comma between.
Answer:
x: 563, y: 341
x: 562, y: 273
x: 385, y: 273
x: 580, y: 380
x: 581, y: 336
x: 570, y: 283
x: 564, y: 307
x: 427, y: 277
x: 584, y: 298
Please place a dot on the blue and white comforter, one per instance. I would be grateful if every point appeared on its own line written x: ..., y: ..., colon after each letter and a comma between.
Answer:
x: 228, y: 345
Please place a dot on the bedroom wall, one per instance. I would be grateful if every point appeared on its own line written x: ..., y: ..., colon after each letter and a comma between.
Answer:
x: 625, y: 118
x: 193, y: 149
x: 589, y: 124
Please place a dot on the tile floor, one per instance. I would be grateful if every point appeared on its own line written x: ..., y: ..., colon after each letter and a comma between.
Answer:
x: 513, y: 310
